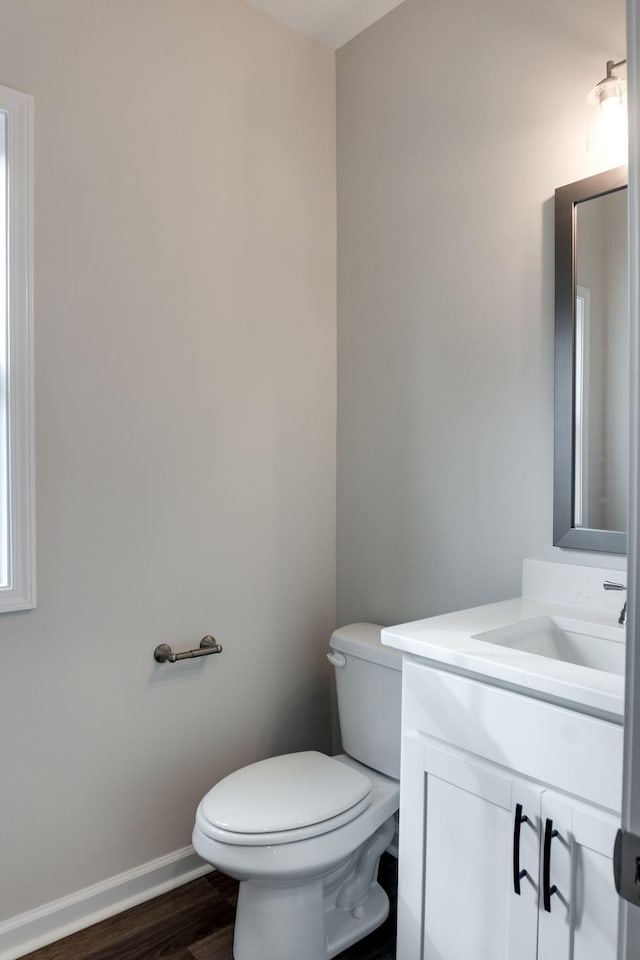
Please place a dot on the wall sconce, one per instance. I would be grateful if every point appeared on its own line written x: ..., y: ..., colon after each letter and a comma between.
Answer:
x: 607, y: 118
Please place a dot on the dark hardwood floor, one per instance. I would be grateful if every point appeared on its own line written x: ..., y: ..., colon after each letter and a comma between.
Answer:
x: 195, y: 922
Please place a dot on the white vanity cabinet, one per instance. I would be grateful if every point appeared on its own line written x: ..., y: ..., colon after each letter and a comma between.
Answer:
x: 478, y: 881
x: 581, y: 921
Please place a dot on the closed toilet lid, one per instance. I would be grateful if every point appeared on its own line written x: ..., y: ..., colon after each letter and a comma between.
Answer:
x: 284, y: 793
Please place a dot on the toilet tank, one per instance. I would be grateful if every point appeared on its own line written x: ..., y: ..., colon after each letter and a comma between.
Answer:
x: 368, y: 686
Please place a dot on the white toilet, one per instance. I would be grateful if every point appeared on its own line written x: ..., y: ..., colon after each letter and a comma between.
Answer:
x: 304, y: 832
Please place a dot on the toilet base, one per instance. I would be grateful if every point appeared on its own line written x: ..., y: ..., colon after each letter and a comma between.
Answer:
x: 316, y: 919
x: 343, y: 928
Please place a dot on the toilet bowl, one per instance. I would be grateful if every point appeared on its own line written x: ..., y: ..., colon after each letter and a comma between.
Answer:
x: 303, y: 833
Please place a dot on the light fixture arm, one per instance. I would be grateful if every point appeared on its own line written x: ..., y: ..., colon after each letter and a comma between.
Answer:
x: 611, y: 66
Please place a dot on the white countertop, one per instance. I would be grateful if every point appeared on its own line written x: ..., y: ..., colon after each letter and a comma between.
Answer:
x: 450, y: 641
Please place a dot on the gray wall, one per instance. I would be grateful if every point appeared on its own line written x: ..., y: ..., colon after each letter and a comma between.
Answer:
x: 455, y: 124
x: 185, y: 435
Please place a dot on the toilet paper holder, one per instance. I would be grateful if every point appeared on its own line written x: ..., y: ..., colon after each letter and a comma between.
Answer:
x: 208, y: 645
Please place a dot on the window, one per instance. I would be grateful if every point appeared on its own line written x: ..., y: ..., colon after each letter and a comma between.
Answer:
x: 581, y: 407
x: 17, y: 554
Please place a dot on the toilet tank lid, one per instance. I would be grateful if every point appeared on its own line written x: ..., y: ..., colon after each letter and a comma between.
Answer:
x: 363, y: 640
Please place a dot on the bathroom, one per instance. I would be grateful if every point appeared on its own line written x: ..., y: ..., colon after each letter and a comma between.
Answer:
x: 219, y: 449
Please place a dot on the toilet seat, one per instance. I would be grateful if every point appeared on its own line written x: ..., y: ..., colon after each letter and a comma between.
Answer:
x: 284, y: 799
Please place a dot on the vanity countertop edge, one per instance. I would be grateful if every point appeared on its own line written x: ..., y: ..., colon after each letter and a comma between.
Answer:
x: 449, y: 641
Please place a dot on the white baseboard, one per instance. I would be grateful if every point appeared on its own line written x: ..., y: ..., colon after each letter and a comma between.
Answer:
x: 36, y: 928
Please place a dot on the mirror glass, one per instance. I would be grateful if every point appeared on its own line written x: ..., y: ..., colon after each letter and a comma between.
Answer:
x: 592, y: 364
x: 601, y: 389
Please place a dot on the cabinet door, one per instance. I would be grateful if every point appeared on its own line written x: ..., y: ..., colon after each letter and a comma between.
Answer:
x: 596, y: 903
x: 476, y: 904
x: 579, y: 918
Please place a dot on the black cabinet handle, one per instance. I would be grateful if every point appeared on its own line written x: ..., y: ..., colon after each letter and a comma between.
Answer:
x: 518, y: 874
x: 547, y: 890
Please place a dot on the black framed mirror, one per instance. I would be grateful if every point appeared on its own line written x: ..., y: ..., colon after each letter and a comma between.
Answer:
x: 591, y: 364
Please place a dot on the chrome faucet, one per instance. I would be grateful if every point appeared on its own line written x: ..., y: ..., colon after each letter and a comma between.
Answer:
x: 608, y: 585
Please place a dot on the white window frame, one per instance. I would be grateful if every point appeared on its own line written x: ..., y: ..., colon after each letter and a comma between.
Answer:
x: 581, y: 414
x: 19, y: 593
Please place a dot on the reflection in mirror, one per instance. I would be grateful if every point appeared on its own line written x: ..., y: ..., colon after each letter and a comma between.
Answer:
x: 591, y: 364
x: 601, y: 363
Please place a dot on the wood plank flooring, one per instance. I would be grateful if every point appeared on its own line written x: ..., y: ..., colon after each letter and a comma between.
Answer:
x: 195, y: 922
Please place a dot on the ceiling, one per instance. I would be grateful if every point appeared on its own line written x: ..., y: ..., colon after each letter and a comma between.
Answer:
x: 331, y: 22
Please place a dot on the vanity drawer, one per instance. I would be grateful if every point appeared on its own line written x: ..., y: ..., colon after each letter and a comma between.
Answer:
x: 575, y: 753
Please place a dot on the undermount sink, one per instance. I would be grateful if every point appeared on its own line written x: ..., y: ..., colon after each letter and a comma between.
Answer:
x: 561, y: 641
x: 584, y: 644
